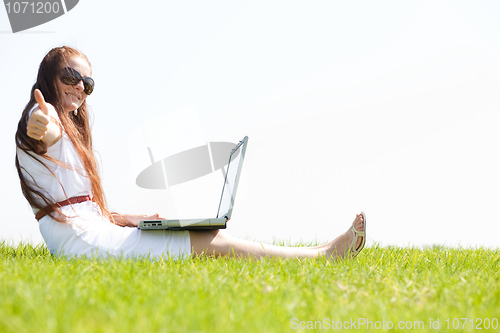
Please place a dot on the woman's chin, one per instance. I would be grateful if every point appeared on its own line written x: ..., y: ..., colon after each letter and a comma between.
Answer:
x: 71, y: 107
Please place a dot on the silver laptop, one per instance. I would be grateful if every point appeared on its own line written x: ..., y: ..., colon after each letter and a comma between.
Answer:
x: 231, y: 179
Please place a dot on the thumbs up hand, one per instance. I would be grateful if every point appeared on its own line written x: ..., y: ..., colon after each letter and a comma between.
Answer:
x: 42, y: 124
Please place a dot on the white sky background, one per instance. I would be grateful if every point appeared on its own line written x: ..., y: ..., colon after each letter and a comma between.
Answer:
x: 390, y: 107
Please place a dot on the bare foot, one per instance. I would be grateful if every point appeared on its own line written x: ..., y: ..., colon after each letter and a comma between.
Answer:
x: 339, y: 247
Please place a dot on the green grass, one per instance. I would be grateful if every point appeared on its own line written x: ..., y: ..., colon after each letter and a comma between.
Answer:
x: 41, y: 293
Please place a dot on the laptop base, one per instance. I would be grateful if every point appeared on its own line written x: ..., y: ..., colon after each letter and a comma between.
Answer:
x: 185, y: 224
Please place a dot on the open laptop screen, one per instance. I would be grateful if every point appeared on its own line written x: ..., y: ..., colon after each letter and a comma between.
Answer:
x: 231, y: 179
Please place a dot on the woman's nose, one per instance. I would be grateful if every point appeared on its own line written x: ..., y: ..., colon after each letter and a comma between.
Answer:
x: 79, y: 85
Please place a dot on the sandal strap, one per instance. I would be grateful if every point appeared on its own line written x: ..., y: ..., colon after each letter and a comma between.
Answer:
x: 356, y: 234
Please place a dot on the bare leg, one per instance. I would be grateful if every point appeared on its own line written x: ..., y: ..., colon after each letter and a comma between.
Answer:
x: 219, y: 243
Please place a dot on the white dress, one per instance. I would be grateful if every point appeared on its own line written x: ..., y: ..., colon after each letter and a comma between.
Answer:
x: 87, y: 232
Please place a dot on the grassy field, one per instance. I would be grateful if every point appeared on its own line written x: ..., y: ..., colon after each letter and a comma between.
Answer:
x: 383, y: 288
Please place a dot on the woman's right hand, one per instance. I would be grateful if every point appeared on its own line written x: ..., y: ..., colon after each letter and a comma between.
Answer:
x: 42, y: 122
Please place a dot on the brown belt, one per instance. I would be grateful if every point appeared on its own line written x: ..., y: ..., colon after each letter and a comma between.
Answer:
x: 70, y: 201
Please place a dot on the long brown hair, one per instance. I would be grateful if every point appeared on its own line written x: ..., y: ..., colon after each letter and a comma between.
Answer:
x: 76, y: 125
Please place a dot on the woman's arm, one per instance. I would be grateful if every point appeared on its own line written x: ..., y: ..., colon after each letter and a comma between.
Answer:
x: 43, y: 123
x: 132, y: 220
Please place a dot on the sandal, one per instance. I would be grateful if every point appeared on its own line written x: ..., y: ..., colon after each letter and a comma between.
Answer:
x: 353, y: 252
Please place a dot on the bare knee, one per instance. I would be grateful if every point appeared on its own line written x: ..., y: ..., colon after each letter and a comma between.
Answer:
x: 203, y: 235
x: 208, y: 241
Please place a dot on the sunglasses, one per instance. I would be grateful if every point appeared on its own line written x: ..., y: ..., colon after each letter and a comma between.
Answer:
x: 71, y: 77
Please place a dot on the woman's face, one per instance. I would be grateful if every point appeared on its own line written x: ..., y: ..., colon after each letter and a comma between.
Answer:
x: 73, y: 96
